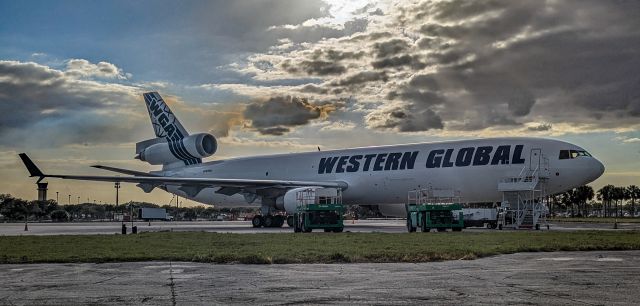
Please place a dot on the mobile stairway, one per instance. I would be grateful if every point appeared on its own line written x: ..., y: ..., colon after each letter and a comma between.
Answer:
x: 523, y: 203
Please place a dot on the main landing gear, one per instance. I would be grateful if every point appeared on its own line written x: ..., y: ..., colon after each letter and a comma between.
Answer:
x: 268, y: 221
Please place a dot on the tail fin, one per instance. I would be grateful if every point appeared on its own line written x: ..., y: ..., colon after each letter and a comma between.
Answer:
x: 167, y: 129
x: 164, y: 123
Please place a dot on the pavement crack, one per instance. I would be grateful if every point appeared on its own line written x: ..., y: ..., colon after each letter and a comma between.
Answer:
x: 172, y: 284
x: 521, y: 288
x: 105, y: 280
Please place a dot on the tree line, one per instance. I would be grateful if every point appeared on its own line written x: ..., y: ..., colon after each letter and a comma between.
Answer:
x: 612, y: 201
x: 16, y: 209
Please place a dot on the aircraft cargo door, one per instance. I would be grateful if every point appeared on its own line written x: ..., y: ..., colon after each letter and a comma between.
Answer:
x: 534, y: 159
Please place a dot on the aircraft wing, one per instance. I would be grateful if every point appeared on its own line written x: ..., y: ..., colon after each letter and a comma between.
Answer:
x: 191, y: 185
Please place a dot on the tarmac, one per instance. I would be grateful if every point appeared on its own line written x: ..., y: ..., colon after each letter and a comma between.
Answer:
x: 387, y: 226
x: 559, y: 278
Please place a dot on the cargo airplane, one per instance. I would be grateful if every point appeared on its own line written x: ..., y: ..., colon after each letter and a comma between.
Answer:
x: 378, y: 175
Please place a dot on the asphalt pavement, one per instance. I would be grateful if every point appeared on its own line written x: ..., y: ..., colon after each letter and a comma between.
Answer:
x: 559, y: 278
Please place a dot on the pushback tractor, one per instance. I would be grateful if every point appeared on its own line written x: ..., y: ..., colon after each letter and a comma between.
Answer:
x: 434, y: 208
x: 319, y: 208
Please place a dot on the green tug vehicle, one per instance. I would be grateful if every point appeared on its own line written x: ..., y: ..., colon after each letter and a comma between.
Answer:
x: 434, y: 208
x: 319, y: 209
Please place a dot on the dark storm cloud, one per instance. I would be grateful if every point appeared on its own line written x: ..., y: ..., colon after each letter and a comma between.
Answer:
x: 276, y: 114
x: 314, y: 67
x: 406, y: 119
x: 60, y: 109
x: 361, y: 77
x: 274, y: 131
x: 576, y: 61
x: 396, y: 61
x: 391, y: 47
x: 541, y: 127
x: 322, y: 62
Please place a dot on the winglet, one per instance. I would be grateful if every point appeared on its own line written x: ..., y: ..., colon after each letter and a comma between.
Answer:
x: 33, y: 169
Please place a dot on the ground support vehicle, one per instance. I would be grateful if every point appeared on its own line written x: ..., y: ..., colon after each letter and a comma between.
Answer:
x: 319, y: 209
x: 437, y: 216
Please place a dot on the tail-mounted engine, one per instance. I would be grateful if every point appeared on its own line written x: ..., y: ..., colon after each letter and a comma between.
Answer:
x: 190, y: 150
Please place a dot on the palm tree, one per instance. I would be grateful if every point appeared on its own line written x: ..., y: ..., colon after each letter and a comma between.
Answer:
x: 582, y: 195
x: 634, y: 192
x: 605, y: 194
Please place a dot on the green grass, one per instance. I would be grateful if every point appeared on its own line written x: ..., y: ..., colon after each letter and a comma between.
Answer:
x: 596, y: 220
x: 301, y: 248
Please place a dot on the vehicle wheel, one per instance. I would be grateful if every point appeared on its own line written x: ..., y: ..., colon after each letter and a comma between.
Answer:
x: 279, y: 221
x: 457, y: 229
x: 326, y: 230
x: 488, y: 225
x: 290, y: 221
x: 494, y: 225
x: 269, y: 221
x: 338, y: 230
x: 257, y: 221
x: 410, y: 227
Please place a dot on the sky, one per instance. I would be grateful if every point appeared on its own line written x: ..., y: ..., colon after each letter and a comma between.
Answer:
x: 285, y: 76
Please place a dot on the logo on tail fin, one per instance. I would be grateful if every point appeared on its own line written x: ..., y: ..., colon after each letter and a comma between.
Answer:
x: 166, y: 125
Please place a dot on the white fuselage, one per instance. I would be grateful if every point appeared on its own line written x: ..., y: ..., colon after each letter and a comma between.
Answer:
x: 384, y: 174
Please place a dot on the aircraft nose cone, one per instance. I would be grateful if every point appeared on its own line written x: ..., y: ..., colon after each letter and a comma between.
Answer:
x: 601, y: 169
x: 597, y: 169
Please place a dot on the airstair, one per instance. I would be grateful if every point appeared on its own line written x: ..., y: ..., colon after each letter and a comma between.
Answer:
x: 523, y: 203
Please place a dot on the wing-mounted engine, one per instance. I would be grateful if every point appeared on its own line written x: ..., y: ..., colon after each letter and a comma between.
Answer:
x: 190, y: 149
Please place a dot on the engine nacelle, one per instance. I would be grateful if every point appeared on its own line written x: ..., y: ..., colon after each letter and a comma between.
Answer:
x: 289, y: 201
x: 193, y: 146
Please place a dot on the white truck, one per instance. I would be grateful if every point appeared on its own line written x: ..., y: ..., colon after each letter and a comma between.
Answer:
x: 148, y: 214
x: 479, y: 217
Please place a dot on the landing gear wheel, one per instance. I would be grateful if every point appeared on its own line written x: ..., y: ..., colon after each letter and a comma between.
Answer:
x: 290, y: 221
x: 257, y: 221
x: 269, y: 221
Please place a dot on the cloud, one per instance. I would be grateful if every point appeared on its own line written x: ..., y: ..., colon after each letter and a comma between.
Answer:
x: 50, y: 108
x: 541, y: 127
x: 275, y: 115
x: 484, y: 66
x: 83, y: 68
x: 405, y: 118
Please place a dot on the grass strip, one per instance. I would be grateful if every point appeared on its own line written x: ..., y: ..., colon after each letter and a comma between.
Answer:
x: 596, y: 220
x: 301, y: 248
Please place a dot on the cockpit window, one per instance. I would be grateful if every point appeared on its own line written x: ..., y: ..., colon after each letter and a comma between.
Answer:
x: 564, y: 154
x: 570, y: 154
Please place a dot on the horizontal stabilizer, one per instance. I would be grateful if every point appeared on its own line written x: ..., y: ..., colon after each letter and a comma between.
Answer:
x: 124, y: 171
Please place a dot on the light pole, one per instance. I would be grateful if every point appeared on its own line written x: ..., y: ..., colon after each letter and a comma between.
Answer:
x: 57, y: 202
x: 69, y: 199
x: 117, y: 186
x: 78, y: 200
